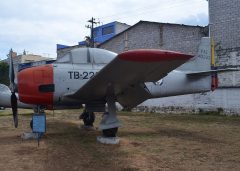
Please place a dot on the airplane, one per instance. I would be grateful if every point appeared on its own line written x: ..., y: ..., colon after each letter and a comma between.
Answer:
x: 95, y: 77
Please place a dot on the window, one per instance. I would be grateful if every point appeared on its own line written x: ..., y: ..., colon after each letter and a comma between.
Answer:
x: 80, y: 56
x: 101, y: 56
x: 64, y: 59
x: 107, y: 30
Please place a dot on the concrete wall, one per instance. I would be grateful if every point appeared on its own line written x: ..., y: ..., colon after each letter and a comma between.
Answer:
x: 222, y: 101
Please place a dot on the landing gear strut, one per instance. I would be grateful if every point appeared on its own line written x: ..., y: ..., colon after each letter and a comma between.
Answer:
x: 110, y: 132
x: 88, y: 118
x: 109, y: 124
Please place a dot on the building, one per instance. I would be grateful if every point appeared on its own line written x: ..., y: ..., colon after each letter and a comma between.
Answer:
x: 107, y: 31
x: 31, y: 58
x: 153, y: 35
x: 101, y: 34
x: 27, y: 60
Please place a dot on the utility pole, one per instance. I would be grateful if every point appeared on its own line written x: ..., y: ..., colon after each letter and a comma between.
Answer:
x: 92, y: 21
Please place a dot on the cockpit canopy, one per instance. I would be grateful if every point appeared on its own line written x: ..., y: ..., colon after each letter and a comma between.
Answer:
x: 87, y: 56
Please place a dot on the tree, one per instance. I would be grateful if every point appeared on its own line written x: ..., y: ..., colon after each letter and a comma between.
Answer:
x: 4, y: 79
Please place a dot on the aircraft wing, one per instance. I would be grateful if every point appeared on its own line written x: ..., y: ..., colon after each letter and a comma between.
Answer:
x: 127, y: 73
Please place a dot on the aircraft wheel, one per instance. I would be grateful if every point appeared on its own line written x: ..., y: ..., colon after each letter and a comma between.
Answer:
x: 110, y: 132
x: 88, y: 118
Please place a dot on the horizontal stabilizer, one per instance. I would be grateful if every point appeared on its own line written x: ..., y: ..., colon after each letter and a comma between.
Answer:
x: 209, y: 72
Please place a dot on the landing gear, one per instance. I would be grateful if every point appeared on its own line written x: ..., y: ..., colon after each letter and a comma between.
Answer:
x: 109, y: 124
x: 88, y: 118
x: 110, y: 132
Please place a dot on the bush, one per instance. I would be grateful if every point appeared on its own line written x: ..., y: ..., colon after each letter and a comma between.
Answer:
x: 4, y: 70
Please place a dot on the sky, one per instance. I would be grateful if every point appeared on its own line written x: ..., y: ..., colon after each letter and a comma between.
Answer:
x: 36, y: 26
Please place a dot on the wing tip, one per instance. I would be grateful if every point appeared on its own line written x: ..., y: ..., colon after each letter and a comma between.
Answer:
x: 153, y: 55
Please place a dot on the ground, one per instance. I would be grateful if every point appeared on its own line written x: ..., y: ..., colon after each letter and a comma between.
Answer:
x: 149, y: 141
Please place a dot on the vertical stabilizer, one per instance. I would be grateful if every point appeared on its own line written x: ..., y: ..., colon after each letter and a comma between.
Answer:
x: 203, y: 64
x: 202, y: 60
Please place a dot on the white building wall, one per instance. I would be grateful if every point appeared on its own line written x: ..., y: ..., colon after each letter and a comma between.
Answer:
x: 221, y: 100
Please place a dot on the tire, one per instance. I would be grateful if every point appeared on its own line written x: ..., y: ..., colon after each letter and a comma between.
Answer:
x: 110, y: 132
x: 88, y: 118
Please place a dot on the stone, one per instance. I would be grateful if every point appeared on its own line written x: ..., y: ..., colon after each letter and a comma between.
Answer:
x: 108, y: 140
x: 29, y: 136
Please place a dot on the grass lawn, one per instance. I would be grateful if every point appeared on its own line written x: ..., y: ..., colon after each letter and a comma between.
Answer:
x: 149, y: 141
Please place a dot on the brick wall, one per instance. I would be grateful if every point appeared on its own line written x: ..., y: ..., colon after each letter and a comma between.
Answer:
x: 225, y: 29
x: 225, y: 22
x: 153, y: 35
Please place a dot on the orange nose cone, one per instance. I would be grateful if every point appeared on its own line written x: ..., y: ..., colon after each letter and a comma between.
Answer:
x: 31, y: 83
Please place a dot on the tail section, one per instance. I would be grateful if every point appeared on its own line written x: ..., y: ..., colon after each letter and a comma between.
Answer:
x: 202, y: 60
x: 198, y: 75
x: 203, y: 64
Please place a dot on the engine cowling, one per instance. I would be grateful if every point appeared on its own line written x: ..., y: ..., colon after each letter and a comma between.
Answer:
x: 36, y: 85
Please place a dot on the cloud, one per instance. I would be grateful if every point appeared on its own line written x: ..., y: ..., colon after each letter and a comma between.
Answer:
x: 199, y: 19
x: 39, y: 25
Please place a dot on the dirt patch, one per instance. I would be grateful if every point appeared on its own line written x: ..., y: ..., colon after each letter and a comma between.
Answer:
x: 148, y: 142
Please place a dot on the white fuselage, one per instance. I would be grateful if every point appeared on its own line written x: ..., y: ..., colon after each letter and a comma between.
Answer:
x: 69, y: 78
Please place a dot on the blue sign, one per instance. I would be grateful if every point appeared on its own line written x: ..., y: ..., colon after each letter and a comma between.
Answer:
x: 39, y: 123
